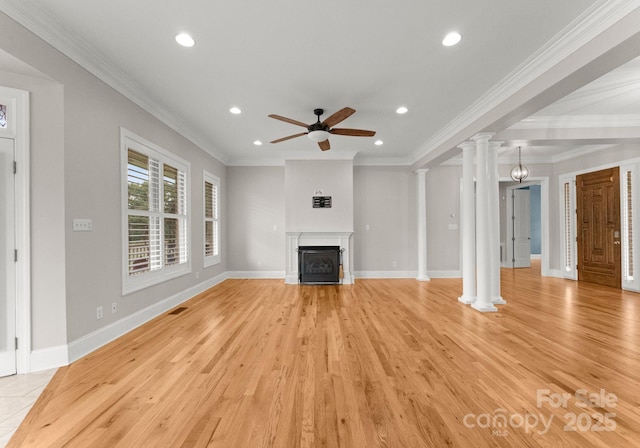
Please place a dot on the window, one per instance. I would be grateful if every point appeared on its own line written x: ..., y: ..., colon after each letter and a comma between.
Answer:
x: 211, y: 219
x: 3, y: 116
x: 627, y: 225
x: 568, y: 213
x: 568, y: 226
x: 155, y: 214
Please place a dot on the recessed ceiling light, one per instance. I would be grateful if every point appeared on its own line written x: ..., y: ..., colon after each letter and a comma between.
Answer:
x: 378, y: 142
x: 235, y: 110
x: 451, y: 39
x: 402, y: 110
x: 257, y: 143
x: 185, y: 40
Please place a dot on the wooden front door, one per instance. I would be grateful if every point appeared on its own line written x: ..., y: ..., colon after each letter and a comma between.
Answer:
x: 598, y: 209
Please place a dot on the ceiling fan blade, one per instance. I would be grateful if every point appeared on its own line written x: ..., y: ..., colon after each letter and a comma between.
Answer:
x: 325, y: 146
x: 289, y: 120
x: 336, y: 118
x: 353, y: 132
x: 289, y: 137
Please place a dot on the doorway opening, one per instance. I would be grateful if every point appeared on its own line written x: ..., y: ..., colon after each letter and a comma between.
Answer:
x: 524, y: 233
x: 15, y: 304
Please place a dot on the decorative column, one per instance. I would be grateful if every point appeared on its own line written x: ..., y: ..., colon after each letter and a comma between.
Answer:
x: 494, y: 223
x: 483, y: 235
x: 468, y: 223
x: 422, y: 226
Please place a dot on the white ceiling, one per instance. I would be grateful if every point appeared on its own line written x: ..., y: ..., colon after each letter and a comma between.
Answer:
x: 288, y: 57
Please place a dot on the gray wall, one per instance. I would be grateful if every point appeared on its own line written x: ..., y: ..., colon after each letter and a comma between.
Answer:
x: 256, y: 218
x: 76, y: 171
x: 304, y: 177
x: 383, y: 197
x: 385, y: 200
x: 443, y: 209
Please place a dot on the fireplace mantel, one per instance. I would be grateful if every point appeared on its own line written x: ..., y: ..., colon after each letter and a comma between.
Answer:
x: 295, y: 239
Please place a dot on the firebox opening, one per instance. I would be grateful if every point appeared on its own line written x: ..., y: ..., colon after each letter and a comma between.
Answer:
x: 319, y: 264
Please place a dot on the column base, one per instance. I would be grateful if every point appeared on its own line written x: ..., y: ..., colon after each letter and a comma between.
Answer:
x: 498, y: 301
x: 423, y: 278
x: 488, y: 308
x: 467, y: 300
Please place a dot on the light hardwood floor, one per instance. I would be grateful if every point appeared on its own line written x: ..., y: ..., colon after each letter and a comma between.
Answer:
x: 398, y: 363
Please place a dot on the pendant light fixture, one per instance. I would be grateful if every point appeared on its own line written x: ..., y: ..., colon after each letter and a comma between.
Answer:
x: 520, y: 172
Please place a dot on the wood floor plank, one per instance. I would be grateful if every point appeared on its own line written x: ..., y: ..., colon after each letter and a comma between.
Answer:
x: 381, y: 363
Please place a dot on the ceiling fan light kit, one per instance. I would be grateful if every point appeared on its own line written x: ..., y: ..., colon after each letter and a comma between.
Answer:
x: 318, y: 136
x: 319, y: 132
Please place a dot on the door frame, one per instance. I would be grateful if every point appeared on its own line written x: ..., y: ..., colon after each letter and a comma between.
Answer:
x: 627, y: 164
x: 544, y: 219
x: 18, y: 130
x: 611, y: 178
x: 519, y: 213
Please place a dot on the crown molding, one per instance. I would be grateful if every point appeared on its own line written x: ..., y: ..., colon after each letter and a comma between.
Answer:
x: 600, y: 16
x: 35, y: 18
x: 507, y: 157
x: 382, y: 161
x: 578, y: 121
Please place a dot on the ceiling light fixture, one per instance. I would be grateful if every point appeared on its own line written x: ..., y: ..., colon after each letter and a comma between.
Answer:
x: 520, y: 172
x: 378, y: 143
x: 185, y: 40
x: 318, y: 136
x: 451, y: 39
x: 257, y: 143
x: 235, y: 110
x: 402, y: 110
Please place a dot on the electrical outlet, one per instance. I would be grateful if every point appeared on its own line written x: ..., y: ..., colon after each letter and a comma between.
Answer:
x: 366, y: 227
x: 259, y: 264
x: 395, y: 264
x: 99, y: 313
x: 114, y: 307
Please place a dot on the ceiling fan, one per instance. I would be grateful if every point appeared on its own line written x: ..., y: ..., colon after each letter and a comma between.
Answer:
x: 320, y: 131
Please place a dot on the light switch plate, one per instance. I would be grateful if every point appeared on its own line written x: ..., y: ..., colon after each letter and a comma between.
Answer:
x: 82, y: 225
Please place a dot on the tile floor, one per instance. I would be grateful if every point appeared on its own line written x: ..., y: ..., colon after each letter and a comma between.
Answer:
x: 17, y: 394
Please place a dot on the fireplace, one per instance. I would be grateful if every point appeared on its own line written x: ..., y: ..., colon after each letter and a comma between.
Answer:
x: 322, y: 240
x: 319, y: 264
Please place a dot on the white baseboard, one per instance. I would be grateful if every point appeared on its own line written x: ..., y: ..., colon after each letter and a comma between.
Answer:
x: 92, y: 341
x: 556, y: 273
x: 444, y: 274
x: 385, y: 274
x: 536, y: 257
x: 49, y: 358
x: 256, y: 274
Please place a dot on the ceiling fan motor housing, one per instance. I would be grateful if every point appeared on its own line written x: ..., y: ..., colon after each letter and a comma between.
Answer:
x: 318, y: 126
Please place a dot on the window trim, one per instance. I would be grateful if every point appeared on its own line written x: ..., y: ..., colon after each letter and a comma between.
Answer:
x: 129, y: 140
x: 215, y: 180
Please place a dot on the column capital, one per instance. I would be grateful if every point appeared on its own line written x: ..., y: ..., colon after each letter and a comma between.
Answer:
x: 421, y: 171
x: 483, y: 136
x: 495, y: 144
x: 467, y: 145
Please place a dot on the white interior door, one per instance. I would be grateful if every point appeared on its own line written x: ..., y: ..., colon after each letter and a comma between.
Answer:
x: 521, y: 228
x: 7, y: 260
